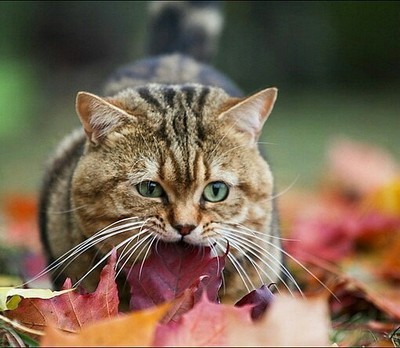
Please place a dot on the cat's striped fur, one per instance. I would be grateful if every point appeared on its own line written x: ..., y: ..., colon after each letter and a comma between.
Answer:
x: 179, y: 124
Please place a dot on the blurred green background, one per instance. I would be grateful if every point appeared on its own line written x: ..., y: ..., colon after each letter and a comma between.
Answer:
x: 336, y: 64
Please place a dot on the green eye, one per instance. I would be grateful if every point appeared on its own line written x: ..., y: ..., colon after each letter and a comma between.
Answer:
x: 216, y: 191
x: 150, y: 189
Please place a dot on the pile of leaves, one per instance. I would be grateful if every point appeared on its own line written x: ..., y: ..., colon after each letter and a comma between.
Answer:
x: 343, y: 239
x: 174, y: 301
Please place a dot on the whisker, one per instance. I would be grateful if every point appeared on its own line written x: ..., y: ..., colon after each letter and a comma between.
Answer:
x: 266, y: 143
x: 55, y: 212
x: 239, y: 269
x: 255, y: 249
x: 289, y: 256
x: 253, y: 232
x: 145, y: 255
x: 103, y: 259
x: 214, y: 250
x: 212, y: 244
x: 86, y: 244
x: 89, y: 243
x: 289, y: 187
x: 131, y: 251
x: 137, y: 237
x: 261, y: 250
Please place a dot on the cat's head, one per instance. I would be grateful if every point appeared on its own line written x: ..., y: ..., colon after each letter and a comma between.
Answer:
x: 177, y: 162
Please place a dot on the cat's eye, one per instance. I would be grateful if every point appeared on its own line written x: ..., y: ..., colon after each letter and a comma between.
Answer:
x: 216, y: 191
x: 150, y: 189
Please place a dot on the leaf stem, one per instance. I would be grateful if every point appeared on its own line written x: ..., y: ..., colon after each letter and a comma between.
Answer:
x: 18, y: 326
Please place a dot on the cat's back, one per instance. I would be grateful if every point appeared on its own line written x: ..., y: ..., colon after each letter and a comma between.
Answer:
x: 182, y: 41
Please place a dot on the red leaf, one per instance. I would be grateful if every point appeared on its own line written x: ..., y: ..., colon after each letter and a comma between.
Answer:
x: 289, y: 322
x: 72, y: 311
x: 207, y: 324
x: 170, y: 270
x: 258, y: 299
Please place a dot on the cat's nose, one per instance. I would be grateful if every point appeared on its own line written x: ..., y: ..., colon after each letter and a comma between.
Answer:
x: 184, y: 230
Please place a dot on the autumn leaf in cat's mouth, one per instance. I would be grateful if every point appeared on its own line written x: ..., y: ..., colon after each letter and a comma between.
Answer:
x: 171, y: 269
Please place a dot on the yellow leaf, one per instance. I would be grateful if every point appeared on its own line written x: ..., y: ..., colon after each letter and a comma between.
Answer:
x: 134, y: 329
x: 387, y: 198
x: 10, y: 297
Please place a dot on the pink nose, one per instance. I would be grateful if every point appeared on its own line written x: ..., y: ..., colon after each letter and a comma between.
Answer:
x: 184, y: 230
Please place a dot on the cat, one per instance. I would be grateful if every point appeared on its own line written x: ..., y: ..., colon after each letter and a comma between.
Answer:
x: 168, y: 153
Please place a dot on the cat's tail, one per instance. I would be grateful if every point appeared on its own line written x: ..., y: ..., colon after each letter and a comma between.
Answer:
x: 187, y: 27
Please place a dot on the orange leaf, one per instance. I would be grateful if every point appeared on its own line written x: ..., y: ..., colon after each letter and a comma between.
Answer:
x: 386, y: 199
x: 134, y: 329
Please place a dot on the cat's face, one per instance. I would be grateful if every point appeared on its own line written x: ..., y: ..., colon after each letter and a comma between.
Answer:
x: 177, y: 163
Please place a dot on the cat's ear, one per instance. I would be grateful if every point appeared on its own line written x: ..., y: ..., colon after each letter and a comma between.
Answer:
x: 98, y: 116
x: 249, y: 115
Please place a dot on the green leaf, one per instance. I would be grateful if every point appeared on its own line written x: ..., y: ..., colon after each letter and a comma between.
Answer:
x: 10, y: 297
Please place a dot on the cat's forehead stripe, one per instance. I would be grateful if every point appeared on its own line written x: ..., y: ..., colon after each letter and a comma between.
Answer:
x: 148, y: 97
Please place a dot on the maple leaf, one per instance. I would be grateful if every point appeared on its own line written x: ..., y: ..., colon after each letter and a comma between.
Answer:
x: 71, y: 311
x: 170, y: 270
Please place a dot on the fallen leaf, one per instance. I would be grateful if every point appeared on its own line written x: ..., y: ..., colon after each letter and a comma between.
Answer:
x: 288, y: 322
x: 207, y: 324
x: 133, y: 329
x: 170, y: 270
x: 71, y: 311
x: 10, y: 297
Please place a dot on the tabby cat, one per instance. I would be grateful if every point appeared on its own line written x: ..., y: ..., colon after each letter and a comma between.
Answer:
x: 169, y: 153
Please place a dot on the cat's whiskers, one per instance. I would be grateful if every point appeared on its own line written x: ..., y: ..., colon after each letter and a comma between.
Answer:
x: 68, y: 210
x: 145, y: 255
x: 104, y: 258
x: 214, y: 251
x: 239, y: 268
x: 250, y: 249
x: 127, y: 254
x: 129, y: 250
x: 115, y: 228
x: 97, y: 239
x: 253, y: 234
x: 285, y: 190
x: 266, y: 143
x: 137, y: 235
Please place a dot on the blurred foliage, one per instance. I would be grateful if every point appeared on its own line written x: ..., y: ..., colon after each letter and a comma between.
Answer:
x: 335, y: 63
